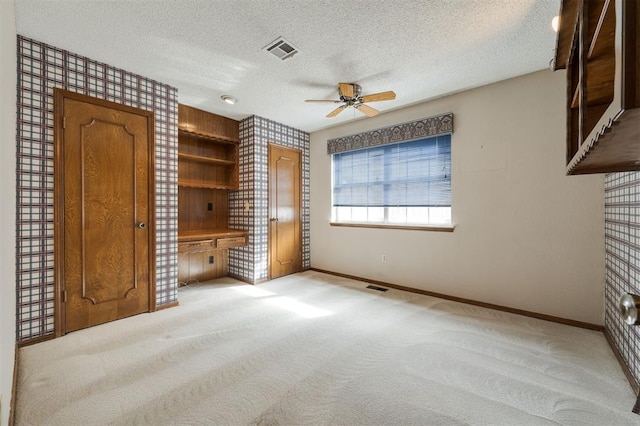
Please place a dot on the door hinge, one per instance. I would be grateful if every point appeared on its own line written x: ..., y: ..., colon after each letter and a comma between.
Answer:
x: 64, y: 296
x: 64, y: 122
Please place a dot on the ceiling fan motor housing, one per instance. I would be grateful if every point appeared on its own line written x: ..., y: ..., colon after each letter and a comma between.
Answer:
x: 357, y: 90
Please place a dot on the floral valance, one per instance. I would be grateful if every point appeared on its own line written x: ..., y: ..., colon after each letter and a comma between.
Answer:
x: 431, y: 126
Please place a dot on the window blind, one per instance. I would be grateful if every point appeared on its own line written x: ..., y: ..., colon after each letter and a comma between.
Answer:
x: 405, y: 174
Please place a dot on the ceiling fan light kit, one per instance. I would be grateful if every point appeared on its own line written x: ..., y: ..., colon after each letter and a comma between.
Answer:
x: 350, y: 96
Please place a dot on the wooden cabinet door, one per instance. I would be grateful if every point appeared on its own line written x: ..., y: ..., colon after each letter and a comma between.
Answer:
x: 104, y: 211
x: 285, y: 225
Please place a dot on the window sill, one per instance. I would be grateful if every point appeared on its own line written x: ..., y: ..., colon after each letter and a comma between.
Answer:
x: 434, y: 228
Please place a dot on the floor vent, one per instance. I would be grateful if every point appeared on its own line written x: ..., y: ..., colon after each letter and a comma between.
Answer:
x: 281, y: 48
x: 375, y: 287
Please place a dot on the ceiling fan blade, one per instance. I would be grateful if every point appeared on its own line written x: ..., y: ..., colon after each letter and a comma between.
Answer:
x: 336, y: 111
x: 382, y: 96
x: 346, y: 89
x: 371, y: 112
x: 322, y: 100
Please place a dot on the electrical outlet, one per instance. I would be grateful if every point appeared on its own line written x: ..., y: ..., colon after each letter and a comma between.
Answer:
x: 383, y: 259
x: 210, y: 206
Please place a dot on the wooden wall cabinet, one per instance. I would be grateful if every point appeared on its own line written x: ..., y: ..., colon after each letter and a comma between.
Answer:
x: 598, y: 45
x: 207, y: 170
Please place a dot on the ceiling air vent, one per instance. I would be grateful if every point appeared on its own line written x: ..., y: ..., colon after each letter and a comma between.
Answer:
x: 375, y: 287
x: 281, y: 48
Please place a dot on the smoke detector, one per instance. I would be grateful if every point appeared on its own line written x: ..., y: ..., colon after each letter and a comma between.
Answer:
x: 281, y: 49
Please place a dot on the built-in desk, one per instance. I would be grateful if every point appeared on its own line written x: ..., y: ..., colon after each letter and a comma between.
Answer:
x: 197, y: 241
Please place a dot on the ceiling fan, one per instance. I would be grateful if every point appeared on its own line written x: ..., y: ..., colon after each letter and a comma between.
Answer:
x: 350, y: 97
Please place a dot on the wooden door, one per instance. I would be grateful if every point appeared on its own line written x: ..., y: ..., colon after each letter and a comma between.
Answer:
x: 104, y: 211
x: 285, y: 224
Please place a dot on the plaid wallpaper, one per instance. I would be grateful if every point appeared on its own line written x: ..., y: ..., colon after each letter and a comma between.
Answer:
x: 250, y: 263
x: 41, y: 68
x: 622, y: 257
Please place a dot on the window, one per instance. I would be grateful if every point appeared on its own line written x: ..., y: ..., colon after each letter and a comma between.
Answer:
x: 406, y: 183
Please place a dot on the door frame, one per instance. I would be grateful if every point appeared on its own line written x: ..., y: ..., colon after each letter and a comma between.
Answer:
x: 300, y: 216
x: 59, y: 96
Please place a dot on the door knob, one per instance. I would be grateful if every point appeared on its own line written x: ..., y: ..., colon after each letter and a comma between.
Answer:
x: 274, y: 219
x: 142, y: 225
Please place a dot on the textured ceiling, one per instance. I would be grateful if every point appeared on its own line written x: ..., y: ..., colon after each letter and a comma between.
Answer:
x: 421, y: 49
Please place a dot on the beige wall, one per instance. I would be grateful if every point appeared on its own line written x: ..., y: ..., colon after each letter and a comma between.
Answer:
x: 526, y: 236
x: 7, y: 206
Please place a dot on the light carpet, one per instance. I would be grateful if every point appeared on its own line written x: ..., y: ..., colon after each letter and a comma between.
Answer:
x: 317, y: 349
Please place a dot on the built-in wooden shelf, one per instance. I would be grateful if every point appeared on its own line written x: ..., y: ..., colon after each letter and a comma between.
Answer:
x: 204, y: 185
x: 206, y: 135
x: 208, y: 160
x: 204, y: 124
x: 599, y: 46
